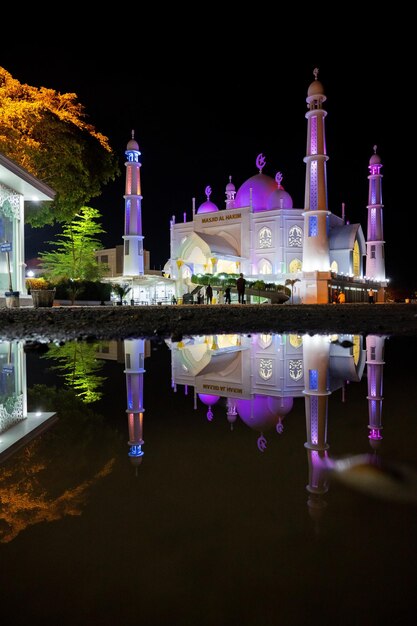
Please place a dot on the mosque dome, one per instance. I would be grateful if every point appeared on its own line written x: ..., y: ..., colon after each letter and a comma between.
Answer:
x: 230, y: 186
x: 207, y: 207
x: 262, y: 186
x: 208, y: 399
x: 279, y: 199
x: 316, y: 89
x: 256, y: 413
x: 132, y: 145
x: 375, y: 159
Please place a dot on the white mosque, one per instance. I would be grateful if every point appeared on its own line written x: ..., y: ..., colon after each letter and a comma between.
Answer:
x: 261, y: 234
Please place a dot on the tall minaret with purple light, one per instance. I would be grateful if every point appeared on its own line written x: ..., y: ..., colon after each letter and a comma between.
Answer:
x: 375, y: 261
x: 316, y: 242
x: 230, y: 194
x: 375, y: 370
x: 133, y: 264
x: 134, y: 370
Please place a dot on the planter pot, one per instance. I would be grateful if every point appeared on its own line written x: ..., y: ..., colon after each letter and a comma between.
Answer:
x: 42, y: 297
x: 12, y: 299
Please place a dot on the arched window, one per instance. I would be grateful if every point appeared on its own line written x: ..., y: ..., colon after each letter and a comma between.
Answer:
x: 295, y: 237
x: 265, y: 267
x: 265, y: 238
x: 295, y: 266
x: 356, y: 259
x: 334, y: 267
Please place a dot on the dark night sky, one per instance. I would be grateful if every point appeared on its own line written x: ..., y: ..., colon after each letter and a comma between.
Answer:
x: 207, y: 108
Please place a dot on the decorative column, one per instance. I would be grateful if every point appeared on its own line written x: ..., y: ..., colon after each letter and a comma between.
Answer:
x: 133, y: 240
x: 375, y: 258
x: 316, y: 243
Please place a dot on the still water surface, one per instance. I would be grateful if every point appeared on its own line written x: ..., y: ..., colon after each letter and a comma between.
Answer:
x: 257, y: 479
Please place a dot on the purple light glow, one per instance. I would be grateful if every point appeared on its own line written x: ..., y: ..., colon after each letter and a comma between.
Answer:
x: 375, y: 434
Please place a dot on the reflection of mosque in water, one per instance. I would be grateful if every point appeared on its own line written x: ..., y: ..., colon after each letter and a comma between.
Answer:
x: 258, y: 377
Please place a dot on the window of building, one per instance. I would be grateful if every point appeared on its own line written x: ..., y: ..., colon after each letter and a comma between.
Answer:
x: 126, y: 246
x: 373, y: 248
x: 265, y: 267
x: 313, y: 377
x: 313, y: 229
x: 373, y: 357
x: 295, y: 237
x: 265, y: 238
x: 295, y: 266
x: 104, y: 258
x: 356, y: 259
x: 334, y: 267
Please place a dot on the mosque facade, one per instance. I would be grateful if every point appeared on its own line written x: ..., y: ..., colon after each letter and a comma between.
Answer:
x: 261, y: 234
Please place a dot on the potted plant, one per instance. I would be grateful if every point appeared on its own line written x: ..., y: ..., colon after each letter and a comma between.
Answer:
x: 42, y: 292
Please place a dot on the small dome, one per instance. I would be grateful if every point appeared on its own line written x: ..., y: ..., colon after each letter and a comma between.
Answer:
x: 315, y: 89
x: 208, y: 399
x: 230, y: 186
x: 256, y: 413
x: 207, y: 207
x: 375, y: 159
x: 262, y: 186
x: 132, y: 145
x: 279, y: 199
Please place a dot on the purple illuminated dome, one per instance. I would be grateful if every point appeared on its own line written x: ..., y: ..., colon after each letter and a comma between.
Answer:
x: 208, y: 399
x: 262, y: 186
x: 375, y: 159
x: 207, y: 207
x: 279, y: 199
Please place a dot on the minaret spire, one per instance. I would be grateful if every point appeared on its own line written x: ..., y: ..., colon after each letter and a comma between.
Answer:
x: 316, y: 244
x: 230, y: 194
x: 133, y: 240
x: 375, y: 262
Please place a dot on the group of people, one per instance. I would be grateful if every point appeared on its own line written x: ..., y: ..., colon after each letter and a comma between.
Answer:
x: 240, y: 286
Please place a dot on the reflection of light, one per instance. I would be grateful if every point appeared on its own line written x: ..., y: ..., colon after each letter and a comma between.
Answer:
x: 136, y: 451
x: 38, y: 413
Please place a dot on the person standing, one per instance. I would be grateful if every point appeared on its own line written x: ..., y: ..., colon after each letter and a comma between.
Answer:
x: 371, y: 296
x: 227, y: 296
x: 241, y: 284
x: 209, y: 293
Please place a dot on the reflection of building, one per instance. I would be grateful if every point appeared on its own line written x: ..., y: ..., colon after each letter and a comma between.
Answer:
x: 261, y: 234
x: 17, y: 426
x: 259, y: 376
x: 17, y: 186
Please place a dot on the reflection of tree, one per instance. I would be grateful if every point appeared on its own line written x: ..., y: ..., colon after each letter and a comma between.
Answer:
x: 78, y: 365
x: 53, y: 476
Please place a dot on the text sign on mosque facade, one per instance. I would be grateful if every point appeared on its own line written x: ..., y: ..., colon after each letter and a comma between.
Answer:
x: 221, y: 218
x: 6, y: 246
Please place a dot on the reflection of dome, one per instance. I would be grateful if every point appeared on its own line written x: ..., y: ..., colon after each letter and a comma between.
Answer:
x: 279, y: 199
x: 207, y: 207
x: 262, y: 186
x: 256, y: 413
x: 281, y: 405
x: 208, y: 399
x: 315, y: 89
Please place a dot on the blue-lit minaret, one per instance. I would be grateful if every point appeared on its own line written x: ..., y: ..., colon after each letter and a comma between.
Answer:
x: 133, y: 264
x: 134, y: 370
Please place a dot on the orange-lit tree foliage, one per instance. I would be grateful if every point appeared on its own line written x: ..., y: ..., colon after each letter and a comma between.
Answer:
x: 46, y: 132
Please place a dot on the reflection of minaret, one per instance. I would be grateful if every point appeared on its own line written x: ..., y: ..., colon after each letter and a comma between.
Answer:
x: 316, y: 365
x: 375, y: 370
x: 134, y: 364
x: 316, y: 242
x: 133, y: 239
x: 375, y: 261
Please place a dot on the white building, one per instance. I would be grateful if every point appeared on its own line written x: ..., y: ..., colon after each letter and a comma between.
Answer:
x: 16, y: 187
x: 261, y: 234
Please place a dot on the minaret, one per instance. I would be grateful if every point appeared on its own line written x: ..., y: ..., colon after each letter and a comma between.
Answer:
x: 375, y: 261
x: 375, y: 370
x: 134, y: 370
x: 133, y: 239
x: 316, y: 354
x: 316, y: 243
x: 230, y: 194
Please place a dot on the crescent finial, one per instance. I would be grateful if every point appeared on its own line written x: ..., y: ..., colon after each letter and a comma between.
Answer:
x: 260, y: 162
x: 207, y: 191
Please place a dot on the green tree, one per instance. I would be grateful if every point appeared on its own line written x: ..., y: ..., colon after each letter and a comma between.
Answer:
x: 46, y: 132
x: 73, y: 259
x: 259, y: 285
x: 291, y: 282
x: 77, y: 363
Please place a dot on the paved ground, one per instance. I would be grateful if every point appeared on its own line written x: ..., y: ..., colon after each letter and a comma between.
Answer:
x: 114, y: 322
